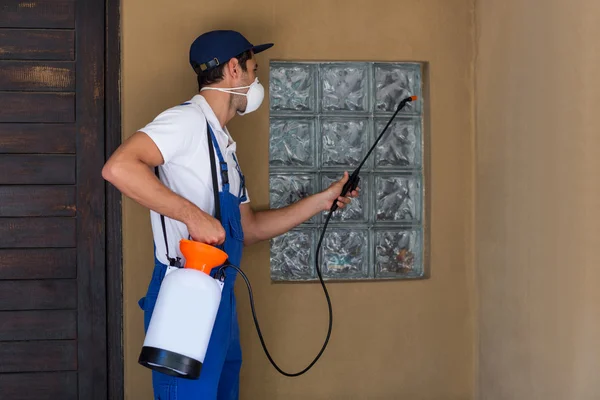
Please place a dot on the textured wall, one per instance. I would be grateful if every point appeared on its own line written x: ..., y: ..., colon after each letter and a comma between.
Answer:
x: 538, y: 199
x: 391, y: 340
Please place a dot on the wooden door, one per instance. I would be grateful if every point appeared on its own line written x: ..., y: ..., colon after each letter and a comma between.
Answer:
x: 52, y: 200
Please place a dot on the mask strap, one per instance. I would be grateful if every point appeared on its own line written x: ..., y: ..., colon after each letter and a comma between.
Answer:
x: 229, y: 90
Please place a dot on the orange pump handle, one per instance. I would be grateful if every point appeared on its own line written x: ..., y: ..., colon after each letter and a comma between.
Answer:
x: 201, y: 256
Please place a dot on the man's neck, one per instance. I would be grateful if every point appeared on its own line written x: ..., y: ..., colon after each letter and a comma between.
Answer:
x: 220, y: 103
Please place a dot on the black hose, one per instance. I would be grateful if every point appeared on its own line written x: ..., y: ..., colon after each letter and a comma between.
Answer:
x: 348, y: 187
x: 256, y: 324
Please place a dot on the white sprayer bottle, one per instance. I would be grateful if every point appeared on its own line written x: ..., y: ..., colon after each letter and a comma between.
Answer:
x: 184, y: 314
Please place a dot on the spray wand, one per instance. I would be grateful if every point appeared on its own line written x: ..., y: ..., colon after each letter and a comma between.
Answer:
x: 349, y: 186
x: 354, y: 179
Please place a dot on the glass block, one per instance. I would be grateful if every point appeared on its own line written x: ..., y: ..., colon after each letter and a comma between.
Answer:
x: 344, y: 253
x: 285, y: 189
x: 398, y: 254
x: 397, y: 198
x: 291, y: 142
x: 344, y: 87
x: 292, y: 87
x: 288, y: 189
x: 344, y: 142
x: 356, y: 211
x: 292, y: 255
x: 394, y: 82
x: 400, y: 146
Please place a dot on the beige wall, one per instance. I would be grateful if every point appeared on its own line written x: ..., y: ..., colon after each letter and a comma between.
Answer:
x: 392, y: 340
x: 538, y: 199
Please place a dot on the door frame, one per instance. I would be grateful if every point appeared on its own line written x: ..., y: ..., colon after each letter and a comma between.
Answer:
x: 114, y: 242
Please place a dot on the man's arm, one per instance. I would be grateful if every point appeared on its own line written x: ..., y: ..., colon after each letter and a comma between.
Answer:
x: 264, y: 225
x: 130, y: 169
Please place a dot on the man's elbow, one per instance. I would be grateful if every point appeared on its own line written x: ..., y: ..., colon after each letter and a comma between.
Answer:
x: 107, y: 173
x: 252, y: 235
x: 112, y: 171
x: 250, y: 240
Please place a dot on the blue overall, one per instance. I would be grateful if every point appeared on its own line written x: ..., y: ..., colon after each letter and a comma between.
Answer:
x: 219, y: 378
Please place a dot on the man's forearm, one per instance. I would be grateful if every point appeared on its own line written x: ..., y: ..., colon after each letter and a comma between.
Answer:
x: 271, y: 223
x: 136, y: 181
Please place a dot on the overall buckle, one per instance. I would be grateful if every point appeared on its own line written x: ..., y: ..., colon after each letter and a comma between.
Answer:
x: 224, y: 172
x: 175, y: 262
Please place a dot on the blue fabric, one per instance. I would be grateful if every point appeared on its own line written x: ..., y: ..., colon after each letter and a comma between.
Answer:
x: 219, y: 379
x: 219, y: 47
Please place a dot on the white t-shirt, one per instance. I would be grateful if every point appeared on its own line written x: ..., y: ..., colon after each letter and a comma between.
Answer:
x: 180, y: 135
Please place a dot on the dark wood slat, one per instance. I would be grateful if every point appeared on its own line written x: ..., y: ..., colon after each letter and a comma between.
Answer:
x: 37, y: 107
x: 37, y: 14
x: 37, y: 169
x: 37, y: 44
x: 37, y: 232
x: 91, y: 256
x: 51, y: 355
x: 37, y: 138
x: 37, y: 201
x: 39, y: 386
x: 38, y: 325
x: 48, y: 76
x: 38, y: 295
x: 114, y: 242
x: 38, y: 264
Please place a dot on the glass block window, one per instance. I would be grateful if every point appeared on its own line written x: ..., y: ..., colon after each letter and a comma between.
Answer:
x: 324, y: 117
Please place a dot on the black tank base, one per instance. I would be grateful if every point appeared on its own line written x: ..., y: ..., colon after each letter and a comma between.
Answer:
x: 170, y: 363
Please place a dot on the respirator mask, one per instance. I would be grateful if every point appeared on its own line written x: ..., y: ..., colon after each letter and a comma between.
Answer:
x: 255, y: 95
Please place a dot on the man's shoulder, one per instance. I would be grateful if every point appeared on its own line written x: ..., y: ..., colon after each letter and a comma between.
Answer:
x: 185, y: 119
x: 184, y: 111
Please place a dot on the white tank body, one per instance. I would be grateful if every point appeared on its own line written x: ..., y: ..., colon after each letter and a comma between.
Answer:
x: 185, y: 313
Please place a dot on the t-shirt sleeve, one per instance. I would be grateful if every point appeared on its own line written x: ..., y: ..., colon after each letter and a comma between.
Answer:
x: 245, y: 196
x: 173, y: 130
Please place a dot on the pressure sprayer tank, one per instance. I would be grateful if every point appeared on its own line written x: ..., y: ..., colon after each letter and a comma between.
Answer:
x: 184, y: 314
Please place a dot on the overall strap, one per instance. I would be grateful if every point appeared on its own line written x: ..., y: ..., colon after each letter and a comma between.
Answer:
x: 212, y: 140
x: 213, y: 168
x: 173, y: 262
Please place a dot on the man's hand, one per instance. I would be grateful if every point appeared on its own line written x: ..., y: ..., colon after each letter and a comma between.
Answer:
x: 206, y: 229
x: 332, y: 193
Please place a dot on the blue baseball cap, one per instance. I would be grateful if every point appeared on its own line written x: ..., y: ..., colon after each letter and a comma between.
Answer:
x: 218, y: 47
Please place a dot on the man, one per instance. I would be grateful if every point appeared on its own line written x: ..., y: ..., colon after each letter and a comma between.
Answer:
x: 176, y: 144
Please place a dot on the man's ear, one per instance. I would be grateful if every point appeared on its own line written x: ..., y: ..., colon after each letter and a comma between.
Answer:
x: 234, y: 68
